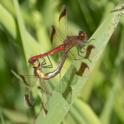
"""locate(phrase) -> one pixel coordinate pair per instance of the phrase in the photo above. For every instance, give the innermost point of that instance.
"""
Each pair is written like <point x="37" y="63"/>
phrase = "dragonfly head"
<point x="32" y="60"/>
<point x="36" y="64"/>
<point x="83" y="36"/>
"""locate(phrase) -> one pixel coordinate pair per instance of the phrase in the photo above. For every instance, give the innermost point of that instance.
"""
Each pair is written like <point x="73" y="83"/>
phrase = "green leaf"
<point x="9" y="25"/>
<point x="81" y="112"/>
<point x="57" y="103"/>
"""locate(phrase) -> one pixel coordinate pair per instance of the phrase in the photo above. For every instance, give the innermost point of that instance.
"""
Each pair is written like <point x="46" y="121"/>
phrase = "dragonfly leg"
<point x="22" y="78"/>
<point x="83" y="56"/>
<point x="43" y="62"/>
<point x="79" y="54"/>
<point x="29" y="99"/>
<point x="81" y="51"/>
<point x="74" y="58"/>
<point x="47" y="66"/>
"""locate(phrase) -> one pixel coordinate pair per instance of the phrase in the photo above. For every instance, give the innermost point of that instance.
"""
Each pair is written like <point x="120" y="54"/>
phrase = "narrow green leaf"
<point x="58" y="107"/>
<point x="25" y="37"/>
<point x="83" y="113"/>
<point x="9" y="25"/>
<point x="15" y="116"/>
<point x="107" y="110"/>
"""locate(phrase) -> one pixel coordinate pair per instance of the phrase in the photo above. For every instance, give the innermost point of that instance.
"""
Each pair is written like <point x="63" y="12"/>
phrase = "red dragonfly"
<point x="79" y="41"/>
<point x="38" y="66"/>
<point x="40" y="74"/>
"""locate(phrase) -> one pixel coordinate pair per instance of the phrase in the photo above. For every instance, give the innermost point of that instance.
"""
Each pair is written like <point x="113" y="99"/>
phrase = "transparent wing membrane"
<point x="36" y="93"/>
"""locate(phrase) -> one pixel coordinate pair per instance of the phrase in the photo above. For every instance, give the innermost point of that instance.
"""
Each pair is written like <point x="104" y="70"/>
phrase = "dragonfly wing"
<point x="43" y="87"/>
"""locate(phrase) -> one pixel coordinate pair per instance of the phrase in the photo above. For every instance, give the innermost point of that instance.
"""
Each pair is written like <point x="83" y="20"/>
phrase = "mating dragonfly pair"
<point x="79" y="41"/>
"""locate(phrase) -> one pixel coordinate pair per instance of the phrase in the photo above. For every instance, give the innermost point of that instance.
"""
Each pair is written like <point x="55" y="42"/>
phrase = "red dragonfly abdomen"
<point x="56" y="49"/>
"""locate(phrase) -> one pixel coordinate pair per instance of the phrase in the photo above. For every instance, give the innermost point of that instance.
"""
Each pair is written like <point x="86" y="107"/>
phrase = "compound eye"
<point x="83" y="35"/>
<point x="31" y="60"/>
<point x="80" y="33"/>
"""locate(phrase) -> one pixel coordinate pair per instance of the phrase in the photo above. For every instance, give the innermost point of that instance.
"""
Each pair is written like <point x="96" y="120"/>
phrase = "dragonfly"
<point x="41" y="86"/>
<point x="46" y="76"/>
<point x="79" y="41"/>
<point x="38" y="66"/>
<point x="70" y="41"/>
<point x="83" y="65"/>
<point x="38" y="73"/>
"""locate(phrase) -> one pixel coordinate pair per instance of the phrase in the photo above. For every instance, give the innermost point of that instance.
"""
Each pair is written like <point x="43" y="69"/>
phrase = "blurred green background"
<point x="103" y="93"/>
